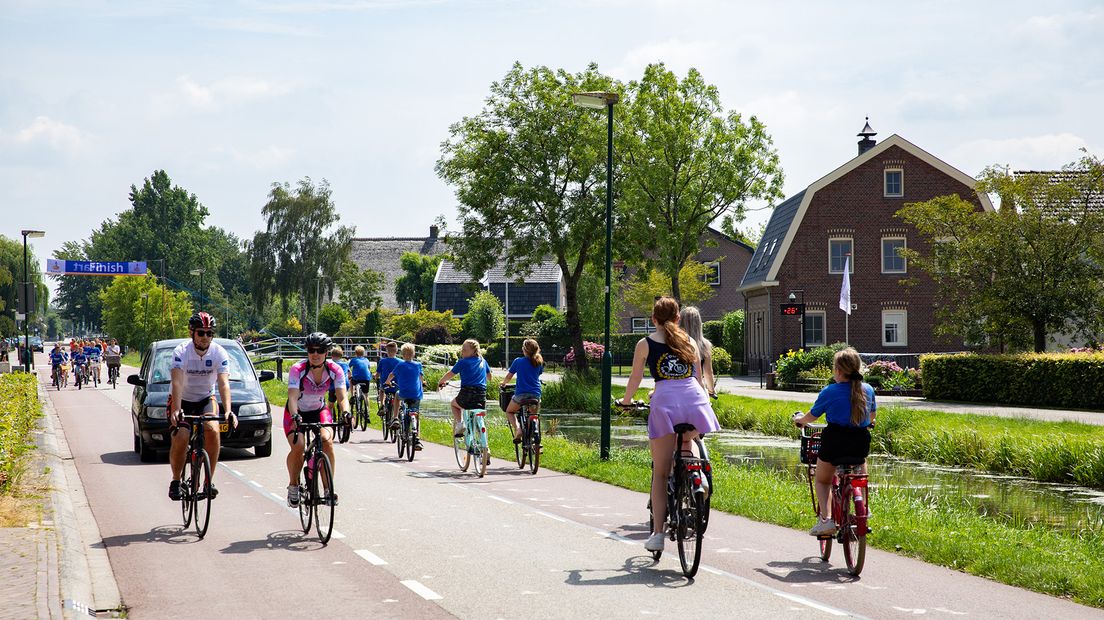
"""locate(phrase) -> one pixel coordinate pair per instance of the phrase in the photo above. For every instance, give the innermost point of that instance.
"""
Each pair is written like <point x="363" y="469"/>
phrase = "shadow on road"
<point x="128" y="457"/>
<point x="638" y="570"/>
<point x="290" y="540"/>
<point x="168" y="534"/>
<point x="810" y="570"/>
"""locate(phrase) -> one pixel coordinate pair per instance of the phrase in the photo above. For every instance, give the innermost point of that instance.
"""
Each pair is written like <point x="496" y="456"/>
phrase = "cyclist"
<point x="58" y="358"/>
<point x="198" y="365"/>
<point x="384" y="368"/>
<point x="79" y="361"/>
<point x="309" y="381"/>
<point x="360" y="373"/>
<point x="337" y="356"/>
<point x="674" y="361"/>
<point x="94" y="355"/>
<point x="691" y="322"/>
<point x="113" y="357"/>
<point x="851" y="410"/>
<point x="528" y="369"/>
<point x="474" y="374"/>
<point x="407" y="376"/>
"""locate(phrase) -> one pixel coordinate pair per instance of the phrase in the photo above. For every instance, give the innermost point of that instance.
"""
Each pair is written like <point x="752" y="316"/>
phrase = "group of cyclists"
<point x="84" y="358"/>
<point x="676" y="355"/>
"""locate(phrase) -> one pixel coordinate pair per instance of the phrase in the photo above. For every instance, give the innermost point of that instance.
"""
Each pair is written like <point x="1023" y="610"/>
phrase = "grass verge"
<point x="928" y="528"/>
<point x="19" y="409"/>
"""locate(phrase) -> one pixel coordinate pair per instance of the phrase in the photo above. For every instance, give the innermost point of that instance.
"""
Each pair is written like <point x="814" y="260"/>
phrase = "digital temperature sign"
<point x="792" y="309"/>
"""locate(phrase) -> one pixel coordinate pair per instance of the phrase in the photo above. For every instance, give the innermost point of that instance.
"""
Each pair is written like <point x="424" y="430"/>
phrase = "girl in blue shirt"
<point x="850" y="408"/>
<point x="474" y="374"/>
<point x="408" y="377"/>
<point x="528" y="370"/>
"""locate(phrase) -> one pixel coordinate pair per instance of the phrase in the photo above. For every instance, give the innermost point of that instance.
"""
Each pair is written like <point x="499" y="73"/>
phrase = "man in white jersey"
<point x="196" y="367"/>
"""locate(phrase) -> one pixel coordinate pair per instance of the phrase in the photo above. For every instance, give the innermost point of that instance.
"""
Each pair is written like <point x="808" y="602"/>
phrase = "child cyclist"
<point x="384" y="368"/>
<point x="528" y="369"/>
<point x="337" y="356"/>
<point x="850" y="408"/>
<point x="407" y="376"/>
<point x="360" y="373"/>
<point x="474" y="373"/>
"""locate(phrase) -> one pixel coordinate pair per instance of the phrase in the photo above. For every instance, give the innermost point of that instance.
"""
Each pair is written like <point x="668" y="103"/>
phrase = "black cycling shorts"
<point x="472" y="397"/>
<point x="197" y="407"/>
<point x="838" y="442"/>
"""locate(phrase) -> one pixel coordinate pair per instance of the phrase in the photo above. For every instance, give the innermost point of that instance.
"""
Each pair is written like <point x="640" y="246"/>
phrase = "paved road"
<point x="421" y="540"/>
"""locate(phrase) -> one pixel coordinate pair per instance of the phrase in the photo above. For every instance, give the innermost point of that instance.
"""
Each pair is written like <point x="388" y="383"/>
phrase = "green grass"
<point x="937" y="530"/>
<point x="19" y="408"/>
<point x="132" y="358"/>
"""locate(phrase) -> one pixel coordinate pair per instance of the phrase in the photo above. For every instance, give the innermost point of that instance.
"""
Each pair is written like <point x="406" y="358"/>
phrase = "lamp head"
<point x="793" y="298"/>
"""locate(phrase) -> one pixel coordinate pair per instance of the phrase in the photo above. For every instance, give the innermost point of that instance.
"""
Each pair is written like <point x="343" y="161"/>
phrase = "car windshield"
<point x="240" y="370"/>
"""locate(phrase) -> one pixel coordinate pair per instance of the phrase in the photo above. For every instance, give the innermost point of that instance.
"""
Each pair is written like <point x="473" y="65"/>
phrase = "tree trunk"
<point x="1039" y="327"/>
<point x="574" y="324"/>
<point x="676" y="290"/>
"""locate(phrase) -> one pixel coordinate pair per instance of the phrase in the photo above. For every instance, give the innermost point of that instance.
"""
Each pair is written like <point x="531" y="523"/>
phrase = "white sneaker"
<point x="457" y="429"/>
<point x="655" y="542"/>
<point x="293" y="496"/>
<point x="824" y="527"/>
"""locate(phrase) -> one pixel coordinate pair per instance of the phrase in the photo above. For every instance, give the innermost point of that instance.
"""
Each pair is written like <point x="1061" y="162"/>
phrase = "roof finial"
<point x="867" y="134"/>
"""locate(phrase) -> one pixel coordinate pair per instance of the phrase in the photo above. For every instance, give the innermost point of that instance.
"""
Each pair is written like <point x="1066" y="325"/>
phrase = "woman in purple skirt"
<point x="679" y="398"/>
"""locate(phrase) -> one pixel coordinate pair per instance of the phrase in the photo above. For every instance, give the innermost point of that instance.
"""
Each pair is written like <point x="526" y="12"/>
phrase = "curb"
<point x="86" y="579"/>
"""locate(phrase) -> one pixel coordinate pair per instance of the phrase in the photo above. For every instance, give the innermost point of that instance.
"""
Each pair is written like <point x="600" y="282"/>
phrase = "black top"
<point x="664" y="364"/>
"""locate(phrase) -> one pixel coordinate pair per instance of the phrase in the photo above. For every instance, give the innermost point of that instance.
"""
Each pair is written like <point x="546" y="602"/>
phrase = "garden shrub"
<point x="733" y="332"/>
<point x="714" y="332"/>
<point x="485" y="320"/>
<point x="404" y="326"/>
<point x="544" y="312"/>
<point x="433" y="334"/>
<point x="722" y="362"/>
<point x="19" y="407"/>
<point x="1074" y="380"/>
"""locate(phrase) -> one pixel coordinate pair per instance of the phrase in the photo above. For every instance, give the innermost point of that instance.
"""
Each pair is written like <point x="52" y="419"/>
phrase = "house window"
<point x="892" y="261"/>
<point x="894" y="328"/>
<point x="713" y="278"/>
<point x="894" y="183"/>
<point x="814" y="329"/>
<point x="641" y="325"/>
<point x="838" y="250"/>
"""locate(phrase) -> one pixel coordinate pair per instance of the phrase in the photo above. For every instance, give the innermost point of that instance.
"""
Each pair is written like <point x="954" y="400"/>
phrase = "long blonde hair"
<point x="692" y="323"/>
<point x="473" y="345"/>
<point x="531" y="349"/>
<point x="665" y="311"/>
<point x="848" y="363"/>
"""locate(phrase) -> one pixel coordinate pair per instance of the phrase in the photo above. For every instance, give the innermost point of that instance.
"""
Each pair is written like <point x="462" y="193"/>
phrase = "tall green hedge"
<point x="1073" y="380"/>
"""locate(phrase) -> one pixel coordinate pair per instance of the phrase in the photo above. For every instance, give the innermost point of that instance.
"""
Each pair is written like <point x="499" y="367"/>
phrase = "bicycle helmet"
<point x="319" y="339"/>
<point x="202" y="320"/>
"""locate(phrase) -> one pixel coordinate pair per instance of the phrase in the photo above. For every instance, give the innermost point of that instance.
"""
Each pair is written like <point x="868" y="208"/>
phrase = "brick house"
<point x="851" y="213"/>
<point x="725" y="279"/>
<point x="452" y="288"/>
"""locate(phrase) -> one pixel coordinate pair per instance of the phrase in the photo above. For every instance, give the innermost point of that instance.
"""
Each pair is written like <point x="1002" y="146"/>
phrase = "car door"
<point x="138" y="396"/>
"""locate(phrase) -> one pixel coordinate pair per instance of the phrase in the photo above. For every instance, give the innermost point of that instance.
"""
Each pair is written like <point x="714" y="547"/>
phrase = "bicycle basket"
<point x="810" y="448"/>
<point x="504" y="396"/>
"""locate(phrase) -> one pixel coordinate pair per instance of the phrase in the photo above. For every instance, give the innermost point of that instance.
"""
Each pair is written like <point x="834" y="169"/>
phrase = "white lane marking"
<point x="949" y="611"/>
<point x="256" y="484"/>
<point x="500" y="499"/>
<point x="337" y="534"/>
<point x="372" y="558"/>
<point x="421" y="590"/>
<point x="810" y="603"/>
<point x="234" y="471"/>
<point x="909" y="610"/>
<point x="338" y="562"/>
<point x="551" y="516"/>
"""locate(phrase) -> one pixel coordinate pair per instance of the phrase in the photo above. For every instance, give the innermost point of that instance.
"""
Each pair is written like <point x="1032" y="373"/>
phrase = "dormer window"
<point x="894" y="183"/>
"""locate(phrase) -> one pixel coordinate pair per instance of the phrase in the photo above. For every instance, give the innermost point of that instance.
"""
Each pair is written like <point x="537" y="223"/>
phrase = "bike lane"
<point x="254" y="561"/>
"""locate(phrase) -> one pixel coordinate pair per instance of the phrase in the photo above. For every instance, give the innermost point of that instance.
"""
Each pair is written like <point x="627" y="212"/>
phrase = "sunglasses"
<point x="203" y="333"/>
<point x="313" y="350"/>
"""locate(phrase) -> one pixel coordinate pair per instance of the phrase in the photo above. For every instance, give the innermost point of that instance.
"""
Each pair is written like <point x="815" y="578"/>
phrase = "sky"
<point x="231" y="96"/>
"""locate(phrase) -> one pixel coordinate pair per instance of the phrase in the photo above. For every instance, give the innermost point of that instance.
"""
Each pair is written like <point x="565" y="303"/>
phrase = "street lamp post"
<point x="199" y="271"/>
<point x="793" y="298"/>
<point x="27" y="354"/>
<point x="598" y="101"/>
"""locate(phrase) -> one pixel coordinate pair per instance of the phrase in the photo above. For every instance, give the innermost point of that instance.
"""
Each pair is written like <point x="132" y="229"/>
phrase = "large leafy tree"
<point x="11" y="274"/>
<point x="359" y="289"/>
<point x="1033" y="268"/>
<point x="302" y="246"/>
<point x="642" y="291"/>
<point x="687" y="163"/>
<point x="132" y="311"/>
<point x="529" y="172"/>
<point x="416" y="284"/>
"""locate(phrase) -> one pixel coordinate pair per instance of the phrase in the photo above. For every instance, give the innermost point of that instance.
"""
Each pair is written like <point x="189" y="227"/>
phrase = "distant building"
<point x="384" y="254"/>
<point x="452" y="288"/>
<point x="850" y="213"/>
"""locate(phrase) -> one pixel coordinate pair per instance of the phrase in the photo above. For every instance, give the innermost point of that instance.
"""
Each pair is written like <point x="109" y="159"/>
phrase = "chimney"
<point x="433" y="230"/>
<point x="867" y="134"/>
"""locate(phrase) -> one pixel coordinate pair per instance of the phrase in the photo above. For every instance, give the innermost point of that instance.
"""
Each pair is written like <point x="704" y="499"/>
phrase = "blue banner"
<point x="94" y="268"/>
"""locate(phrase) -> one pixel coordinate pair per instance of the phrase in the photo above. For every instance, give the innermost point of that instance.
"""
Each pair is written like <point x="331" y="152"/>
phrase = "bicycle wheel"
<point x="689" y="527"/>
<point x="519" y="450"/>
<point x="324" y="496"/>
<point x="460" y="450"/>
<point x="186" y="506"/>
<point x="533" y="445"/>
<point x="201" y="492"/>
<point x="825" y="548"/>
<point x="412" y="437"/>
<point x="852" y="537"/>
<point x="482" y="450"/>
<point x="384" y="414"/>
<point x="306" y="508"/>
<point x="401" y="433"/>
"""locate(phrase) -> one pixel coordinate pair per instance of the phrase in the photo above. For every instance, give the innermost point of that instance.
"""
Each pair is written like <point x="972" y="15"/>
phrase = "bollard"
<point x="280" y="368"/>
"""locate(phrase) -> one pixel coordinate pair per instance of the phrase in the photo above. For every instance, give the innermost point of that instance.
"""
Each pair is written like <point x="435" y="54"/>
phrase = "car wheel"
<point x="146" y="454"/>
<point x="137" y="443"/>
<point x="264" y="449"/>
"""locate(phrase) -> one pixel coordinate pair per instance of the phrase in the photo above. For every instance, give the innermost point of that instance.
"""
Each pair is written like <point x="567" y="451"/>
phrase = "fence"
<point x="276" y="349"/>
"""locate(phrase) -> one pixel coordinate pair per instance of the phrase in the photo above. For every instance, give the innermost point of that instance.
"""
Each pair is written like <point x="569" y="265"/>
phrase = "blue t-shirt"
<point x="360" y="369"/>
<point x="528" y="376"/>
<point x="408" y="377"/>
<point x="835" y="399"/>
<point x="78" y="357"/>
<point x="385" y="367"/>
<point x="472" y="370"/>
<point x="57" y="357"/>
<point x="345" y="367"/>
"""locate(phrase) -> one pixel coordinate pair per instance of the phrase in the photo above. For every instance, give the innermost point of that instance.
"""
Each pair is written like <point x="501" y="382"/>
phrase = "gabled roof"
<point x="730" y="239"/>
<point x="448" y="273"/>
<point x="767" y="274"/>
<point x="384" y="253"/>
<point x="1094" y="200"/>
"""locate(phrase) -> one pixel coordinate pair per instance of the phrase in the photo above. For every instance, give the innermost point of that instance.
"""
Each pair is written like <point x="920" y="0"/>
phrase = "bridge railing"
<point x="273" y="350"/>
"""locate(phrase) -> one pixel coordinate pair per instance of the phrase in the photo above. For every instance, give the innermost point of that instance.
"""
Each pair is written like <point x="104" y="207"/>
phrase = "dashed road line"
<point x="421" y="590"/>
<point x="500" y="499"/>
<point x="372" y="558"/>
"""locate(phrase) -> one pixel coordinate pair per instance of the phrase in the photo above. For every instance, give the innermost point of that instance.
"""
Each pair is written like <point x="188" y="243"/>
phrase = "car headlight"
<point x="155" y="413"/>
<point x="252" y="410"/>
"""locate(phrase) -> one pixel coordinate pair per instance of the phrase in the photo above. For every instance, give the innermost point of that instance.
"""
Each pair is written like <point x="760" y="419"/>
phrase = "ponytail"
<point x="847" y="361"/>
<point x="665" y="312"/>
<point x="531" y="349"/>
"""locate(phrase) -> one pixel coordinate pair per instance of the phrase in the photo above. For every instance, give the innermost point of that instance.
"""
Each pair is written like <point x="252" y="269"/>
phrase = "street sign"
<point x="94" y="268"/>
<point x="792" y="309"/>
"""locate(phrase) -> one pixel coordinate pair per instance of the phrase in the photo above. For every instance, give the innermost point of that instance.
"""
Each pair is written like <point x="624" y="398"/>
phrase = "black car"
<point x="151" y="394"/>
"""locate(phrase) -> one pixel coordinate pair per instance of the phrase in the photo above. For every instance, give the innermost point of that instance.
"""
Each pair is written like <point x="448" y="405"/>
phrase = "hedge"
<point x="19" y="407"/>
<point x="1070" y="380"/>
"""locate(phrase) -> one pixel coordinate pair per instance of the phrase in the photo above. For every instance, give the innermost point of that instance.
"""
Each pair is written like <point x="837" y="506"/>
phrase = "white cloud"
<point x="1062" y="29"/>
<point x="195" y="94"/>
<point x="677" y="54"/>
<point x="44" y="131"/>
<point x="227" y="91"/>
<point x="1043" y="152"/>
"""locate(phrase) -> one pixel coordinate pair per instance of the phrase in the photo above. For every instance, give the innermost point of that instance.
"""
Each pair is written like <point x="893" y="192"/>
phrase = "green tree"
<point x="592" y="299"/>
<point x="401" y="325"/>
<point x="416" y="284"/>
<point x="1033" y="268"/>
<point x="485" y="320"/>
<point x="359" y="289"/>
<point x="641" y="291"/>
<point x="687" y="163"/>
<point x="301" y="242"/>
<point x="529" y="172"/>
<point x="11" y="274"/>
<point x="330" y="318"/>
<point x="132" y="311"/>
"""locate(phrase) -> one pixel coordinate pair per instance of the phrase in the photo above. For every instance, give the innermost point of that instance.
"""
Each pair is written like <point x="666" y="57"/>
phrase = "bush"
<point x="439" y="353"/>
<point x="289" y="327"/>
<point x="485" y="319"/>
<point x="404" y="326"/>
<point x="1074" y="380"/>
<point x="722" y="362"/>
<point x="790" y="365"/>
<point x="19" y="407"/>
<point x="594" y="352"/>
<point x="331" y="317"/>
<point x="714" y="332"/>
<point x="733" y="334"/>
<point x="433" y="334"/>
<point x="544" y="312"/>
<point x="493" y="354"/>
<point x="552" y="332"/>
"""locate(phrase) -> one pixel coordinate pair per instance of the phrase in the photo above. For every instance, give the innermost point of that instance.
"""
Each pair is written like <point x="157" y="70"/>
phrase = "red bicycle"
<point x="849" y="501"/>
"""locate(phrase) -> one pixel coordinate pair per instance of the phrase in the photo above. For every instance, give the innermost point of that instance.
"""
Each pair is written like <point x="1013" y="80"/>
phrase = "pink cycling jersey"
<point x="312" y="396"/>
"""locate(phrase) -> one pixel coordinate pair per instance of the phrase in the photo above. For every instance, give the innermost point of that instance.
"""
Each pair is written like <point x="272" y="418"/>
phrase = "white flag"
<point x="845" y="289"/>
<point x="486" y="281"/>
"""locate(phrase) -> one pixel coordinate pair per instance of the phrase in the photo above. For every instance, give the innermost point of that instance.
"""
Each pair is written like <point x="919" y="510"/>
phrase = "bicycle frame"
<point x="475" y="423"/>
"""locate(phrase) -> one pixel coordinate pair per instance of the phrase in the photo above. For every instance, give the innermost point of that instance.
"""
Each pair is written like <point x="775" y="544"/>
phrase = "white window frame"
<point x="851" y="266"/>
<point x="715" y="267"/>
<point x="823" y="328"/>
<point x="904" y="245"/>
<point x="885" y="183"/>
<point x="645" y="325"/>
<point x="902" y="327"/>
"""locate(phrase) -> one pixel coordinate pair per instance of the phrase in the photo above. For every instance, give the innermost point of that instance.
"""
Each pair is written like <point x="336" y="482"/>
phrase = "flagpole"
<point x="845" y="298"/>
